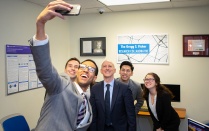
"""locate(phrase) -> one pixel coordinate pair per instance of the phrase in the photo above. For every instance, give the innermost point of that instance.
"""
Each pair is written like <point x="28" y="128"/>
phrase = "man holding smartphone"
<point x="66" y="106"/>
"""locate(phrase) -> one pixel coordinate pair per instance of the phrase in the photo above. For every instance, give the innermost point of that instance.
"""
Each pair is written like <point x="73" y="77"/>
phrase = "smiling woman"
<point x="158" y="99"/>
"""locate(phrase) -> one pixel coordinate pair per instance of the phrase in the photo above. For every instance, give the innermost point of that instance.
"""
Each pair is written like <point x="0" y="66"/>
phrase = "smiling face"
<point x="108" y="69"/>
<point x="149" y="82"/>
<point x="72" y="68"/>
<point x="84" y="76"/>
<point x="125" y="73"/>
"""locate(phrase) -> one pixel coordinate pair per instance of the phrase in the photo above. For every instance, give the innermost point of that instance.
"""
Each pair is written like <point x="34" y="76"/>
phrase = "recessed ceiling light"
<point x="129" y="2"/>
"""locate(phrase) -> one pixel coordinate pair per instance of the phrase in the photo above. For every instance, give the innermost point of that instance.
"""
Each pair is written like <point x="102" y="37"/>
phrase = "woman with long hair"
<point x="158" y="99"/>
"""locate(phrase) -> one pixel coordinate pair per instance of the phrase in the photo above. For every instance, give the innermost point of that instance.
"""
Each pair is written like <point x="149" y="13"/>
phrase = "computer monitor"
<point x="175" y="89"/>
<point x="196" y="126"/>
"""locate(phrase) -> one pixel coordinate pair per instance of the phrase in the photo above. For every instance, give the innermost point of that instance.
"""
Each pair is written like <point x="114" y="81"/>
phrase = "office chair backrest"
<point x="15" y="123"/>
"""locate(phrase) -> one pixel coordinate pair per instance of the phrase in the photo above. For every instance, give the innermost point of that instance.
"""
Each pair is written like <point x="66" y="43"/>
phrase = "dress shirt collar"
<point x="111" y="83"/>
<point x="79" y="88"/>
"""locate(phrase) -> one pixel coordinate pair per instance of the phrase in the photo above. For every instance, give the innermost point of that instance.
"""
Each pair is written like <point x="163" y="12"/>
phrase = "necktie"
<point x="82" y="110"/>
<point x="107" y="105"/>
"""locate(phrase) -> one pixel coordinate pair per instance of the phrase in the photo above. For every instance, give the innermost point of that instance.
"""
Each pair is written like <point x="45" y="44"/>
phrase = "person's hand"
<point x="49" y="13"/>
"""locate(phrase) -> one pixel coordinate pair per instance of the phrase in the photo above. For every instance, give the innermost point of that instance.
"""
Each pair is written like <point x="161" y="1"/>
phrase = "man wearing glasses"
<point x="66" y="106"/>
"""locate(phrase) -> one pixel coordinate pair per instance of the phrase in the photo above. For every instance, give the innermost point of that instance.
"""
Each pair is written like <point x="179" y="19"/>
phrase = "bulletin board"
<point x="20" y="69"/>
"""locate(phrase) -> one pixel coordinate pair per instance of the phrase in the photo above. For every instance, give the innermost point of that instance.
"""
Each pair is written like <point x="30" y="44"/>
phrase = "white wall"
<point x="17" y="25"/>
<point x="191" y="73"/>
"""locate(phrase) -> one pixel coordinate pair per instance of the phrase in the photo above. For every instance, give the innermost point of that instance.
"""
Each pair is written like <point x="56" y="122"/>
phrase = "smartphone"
<point x="74" y="11"/>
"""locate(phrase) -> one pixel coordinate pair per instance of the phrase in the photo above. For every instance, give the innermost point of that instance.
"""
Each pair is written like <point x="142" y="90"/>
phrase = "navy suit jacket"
<point x="122" y="108"/>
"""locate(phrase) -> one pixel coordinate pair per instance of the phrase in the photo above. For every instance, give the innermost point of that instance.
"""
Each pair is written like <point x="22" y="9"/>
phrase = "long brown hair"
<point x="161" y="89"/>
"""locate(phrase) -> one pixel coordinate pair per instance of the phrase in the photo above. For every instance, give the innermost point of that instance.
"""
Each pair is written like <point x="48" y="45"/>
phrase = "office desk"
<point x="181" y="112"/>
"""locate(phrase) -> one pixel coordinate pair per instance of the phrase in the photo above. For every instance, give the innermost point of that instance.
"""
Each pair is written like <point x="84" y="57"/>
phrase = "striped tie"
<point x="82" y="110"/>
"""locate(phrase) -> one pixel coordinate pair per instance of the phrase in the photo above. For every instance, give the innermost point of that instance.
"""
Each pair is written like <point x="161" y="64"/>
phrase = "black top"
<point x="168" y="118"/>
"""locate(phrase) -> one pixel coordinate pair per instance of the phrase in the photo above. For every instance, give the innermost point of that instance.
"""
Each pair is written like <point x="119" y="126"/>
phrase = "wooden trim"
<point x="181" y="112"/>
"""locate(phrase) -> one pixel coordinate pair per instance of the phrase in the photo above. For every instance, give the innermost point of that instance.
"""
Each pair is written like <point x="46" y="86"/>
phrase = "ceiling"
<point x="93" y="6"/>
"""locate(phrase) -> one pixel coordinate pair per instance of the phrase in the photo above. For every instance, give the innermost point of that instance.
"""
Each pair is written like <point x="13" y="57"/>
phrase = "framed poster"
<point x="143" y="48"/>
<point x="95" y="46"/>
<point x="195" y="45"/>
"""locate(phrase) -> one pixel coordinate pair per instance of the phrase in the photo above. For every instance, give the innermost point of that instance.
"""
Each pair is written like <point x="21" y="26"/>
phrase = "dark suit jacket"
<point x="136" y="93"/>
<point x="122" y="108"/>
<point x="167" y="116"/>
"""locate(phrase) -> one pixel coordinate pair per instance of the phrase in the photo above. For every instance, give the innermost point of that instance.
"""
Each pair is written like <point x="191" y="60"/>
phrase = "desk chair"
<point x="14" y="122"/>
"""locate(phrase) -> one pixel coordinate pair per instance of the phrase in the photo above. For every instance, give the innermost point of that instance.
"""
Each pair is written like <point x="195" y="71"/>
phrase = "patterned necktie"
<point x="107" y="105"/>
<point x="82" y="110"/>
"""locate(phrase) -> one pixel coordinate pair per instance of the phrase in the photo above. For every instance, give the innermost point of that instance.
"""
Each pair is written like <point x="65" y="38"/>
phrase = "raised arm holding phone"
<point x="49" y="13"/>
<point x="66" y="106"/>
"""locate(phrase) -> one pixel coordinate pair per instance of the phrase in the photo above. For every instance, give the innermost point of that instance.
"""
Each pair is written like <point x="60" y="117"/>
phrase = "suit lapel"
<point x="101" y="93"/>
<point x="114" y="94"/>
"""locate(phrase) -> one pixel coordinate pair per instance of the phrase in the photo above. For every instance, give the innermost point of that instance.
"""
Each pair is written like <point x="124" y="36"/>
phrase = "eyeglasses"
<point x="149" y="80"/>
<point x="83" y="67"/>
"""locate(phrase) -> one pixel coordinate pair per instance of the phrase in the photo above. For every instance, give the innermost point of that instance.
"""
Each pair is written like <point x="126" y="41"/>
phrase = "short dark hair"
<point x="71" y="59"/>
<point x="96" y="69"/>
<point x="128" y="63"/>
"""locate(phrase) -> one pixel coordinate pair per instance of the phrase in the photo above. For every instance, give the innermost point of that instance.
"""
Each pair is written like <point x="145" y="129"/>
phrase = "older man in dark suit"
<point x="112" y="103"/>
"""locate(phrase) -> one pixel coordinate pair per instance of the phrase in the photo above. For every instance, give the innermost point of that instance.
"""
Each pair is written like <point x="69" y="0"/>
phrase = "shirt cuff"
<point x="40" y="42"/>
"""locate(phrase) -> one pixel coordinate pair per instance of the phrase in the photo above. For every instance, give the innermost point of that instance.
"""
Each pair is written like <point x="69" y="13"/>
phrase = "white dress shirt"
<point x="87" y="115"/>
<point x="153" y="106"/>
